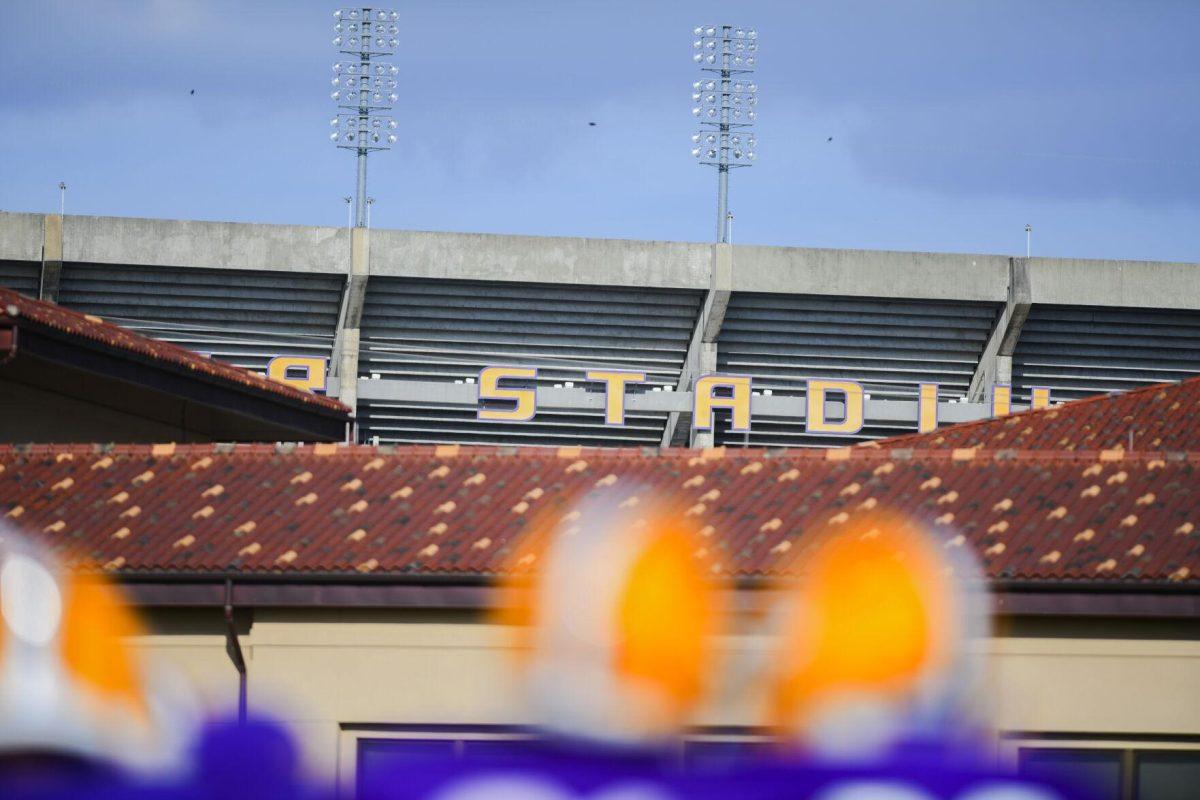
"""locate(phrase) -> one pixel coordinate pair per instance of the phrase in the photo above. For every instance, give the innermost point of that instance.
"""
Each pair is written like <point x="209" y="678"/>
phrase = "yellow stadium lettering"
<point x="711" y="392"/>
<point x="927" y="415"/>
<point x="524" y="399"/>
<point x="614" y="392"/>
<point x="851" y="422"/>
<point x="1001" y="400"/>
<point x="704" y="400"/>
<point x="303" y="372"/>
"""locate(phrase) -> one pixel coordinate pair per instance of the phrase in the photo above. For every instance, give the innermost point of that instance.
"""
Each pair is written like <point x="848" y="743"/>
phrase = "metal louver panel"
<point x="23" y="276"/>
<point x="413" y="424"/>
<point x="414" y="329"/>
<point x="789" y="432"/>
<point x="244" y="318"/>
<point x="888" y="346"/>
<point x="1081" y="351"/>
<point x="442" y="330"/>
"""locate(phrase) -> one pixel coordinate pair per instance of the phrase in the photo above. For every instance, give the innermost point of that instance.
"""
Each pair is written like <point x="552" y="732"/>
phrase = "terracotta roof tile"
<point x="1022" y="512"/>
<point x="24" y="310"/>
<point x="1086" y="514"/>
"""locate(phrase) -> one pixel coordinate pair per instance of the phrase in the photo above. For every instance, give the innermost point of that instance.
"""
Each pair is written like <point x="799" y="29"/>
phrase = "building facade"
<point x="354" y="580"/>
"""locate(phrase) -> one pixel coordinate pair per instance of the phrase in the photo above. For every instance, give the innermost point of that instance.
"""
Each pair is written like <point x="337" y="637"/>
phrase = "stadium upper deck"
<point x="415" y="316"/>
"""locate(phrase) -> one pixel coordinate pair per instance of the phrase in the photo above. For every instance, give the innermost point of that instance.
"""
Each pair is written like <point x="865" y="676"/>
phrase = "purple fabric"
<point x="258" y="761"/>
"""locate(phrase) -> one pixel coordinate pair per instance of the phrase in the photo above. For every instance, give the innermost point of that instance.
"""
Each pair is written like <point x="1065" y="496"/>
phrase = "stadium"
<point x="273" y="570"/>
<point x="415" y="317"/>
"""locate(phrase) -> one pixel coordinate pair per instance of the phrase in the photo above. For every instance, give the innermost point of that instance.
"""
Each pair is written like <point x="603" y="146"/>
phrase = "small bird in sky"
<point x="592" y="124"/>
<point x="830" y="139"/>
<point x="193" y="91"/>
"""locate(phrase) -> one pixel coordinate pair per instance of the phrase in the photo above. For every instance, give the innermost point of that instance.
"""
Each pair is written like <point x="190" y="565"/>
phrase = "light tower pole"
<point x="724" y="102"/>
<point x="363" y="88"/>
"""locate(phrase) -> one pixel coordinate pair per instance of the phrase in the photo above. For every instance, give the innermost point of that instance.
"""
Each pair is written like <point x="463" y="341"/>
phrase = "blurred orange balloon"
<point x="616" y="622"/>
<point x="872" y="617"/>
<point x="72" y="678"/>
<point x="96" y="627"/>
<point x="666" y="614"/>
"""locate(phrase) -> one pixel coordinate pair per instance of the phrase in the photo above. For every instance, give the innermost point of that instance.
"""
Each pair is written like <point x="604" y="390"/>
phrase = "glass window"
<point x="1097" y="772"/>
<point x="1168" y="774"/>
<point x="377" y="757"/>
<point x="385" y="752"/>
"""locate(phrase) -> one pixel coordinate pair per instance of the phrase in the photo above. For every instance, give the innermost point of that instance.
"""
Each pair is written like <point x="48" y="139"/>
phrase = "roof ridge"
<point x="881" y="452"/>
<point x="1068" y="405"/>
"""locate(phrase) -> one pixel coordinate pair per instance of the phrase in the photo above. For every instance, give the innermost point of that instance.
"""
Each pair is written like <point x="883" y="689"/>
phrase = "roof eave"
<point x="478" y="592"/>
<point x="310" y="420"/>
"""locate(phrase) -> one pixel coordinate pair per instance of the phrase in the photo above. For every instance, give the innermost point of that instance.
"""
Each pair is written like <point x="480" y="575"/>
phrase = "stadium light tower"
<point x="364" y="88"/>
<point x="724" y="100"/>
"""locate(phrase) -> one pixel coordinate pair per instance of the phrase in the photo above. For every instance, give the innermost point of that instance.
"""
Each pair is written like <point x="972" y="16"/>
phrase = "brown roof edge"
<point x="475" y="592"/>
<point x="85" y="329"/>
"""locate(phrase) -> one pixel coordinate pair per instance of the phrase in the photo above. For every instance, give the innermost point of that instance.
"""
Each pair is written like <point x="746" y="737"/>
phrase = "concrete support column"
<point x="995" y="363"/>
<point x="347" y="367"/>
<point x="344" y="363"/>
<point x="719" y="291"/>
<point x="702" y="349"/>
<point x="706" y="362"/>
<point x="52" y="257"/>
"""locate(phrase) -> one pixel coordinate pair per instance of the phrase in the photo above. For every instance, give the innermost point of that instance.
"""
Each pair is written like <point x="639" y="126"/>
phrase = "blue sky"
<point x="953" y="123"/>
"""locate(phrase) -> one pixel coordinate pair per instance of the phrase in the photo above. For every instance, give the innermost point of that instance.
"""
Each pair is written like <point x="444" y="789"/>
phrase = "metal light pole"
<point x="363" y="88"/>
<point x="725" y="105"/>
<point x="349" y="233"/>
<point x="1028" y="240"/>
<point x="370" y="202"/>
<point x="62" y="199"/>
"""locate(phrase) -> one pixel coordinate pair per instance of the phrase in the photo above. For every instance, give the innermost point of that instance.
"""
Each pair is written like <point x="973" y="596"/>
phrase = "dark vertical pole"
<point x="242" y="697"/>
<point x="234" y="648"/>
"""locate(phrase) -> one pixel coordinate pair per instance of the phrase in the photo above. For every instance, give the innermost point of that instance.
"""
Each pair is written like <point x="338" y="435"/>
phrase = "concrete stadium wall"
<point x="1125" y="284"/>
<point x="21" y="236"/>
<point x="614" y="262"/>
<point x="870" y="273"/>
<point x="540" y="259"/>
<point x="326" y="672"/>
<point x="215" y="245"/>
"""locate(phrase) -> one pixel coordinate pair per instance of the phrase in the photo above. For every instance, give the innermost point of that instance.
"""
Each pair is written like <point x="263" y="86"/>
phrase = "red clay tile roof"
<point x="1085" y="515"/>
<point x="24" y="310"/>
<point x="1161" y="417"/>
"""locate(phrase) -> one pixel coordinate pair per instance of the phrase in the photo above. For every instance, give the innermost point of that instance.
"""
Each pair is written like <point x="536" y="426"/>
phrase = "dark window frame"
<point x="1129" y="758"/>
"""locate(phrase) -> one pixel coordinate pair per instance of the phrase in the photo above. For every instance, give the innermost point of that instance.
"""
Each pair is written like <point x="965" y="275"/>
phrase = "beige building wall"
<point x="327" y="672"/>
